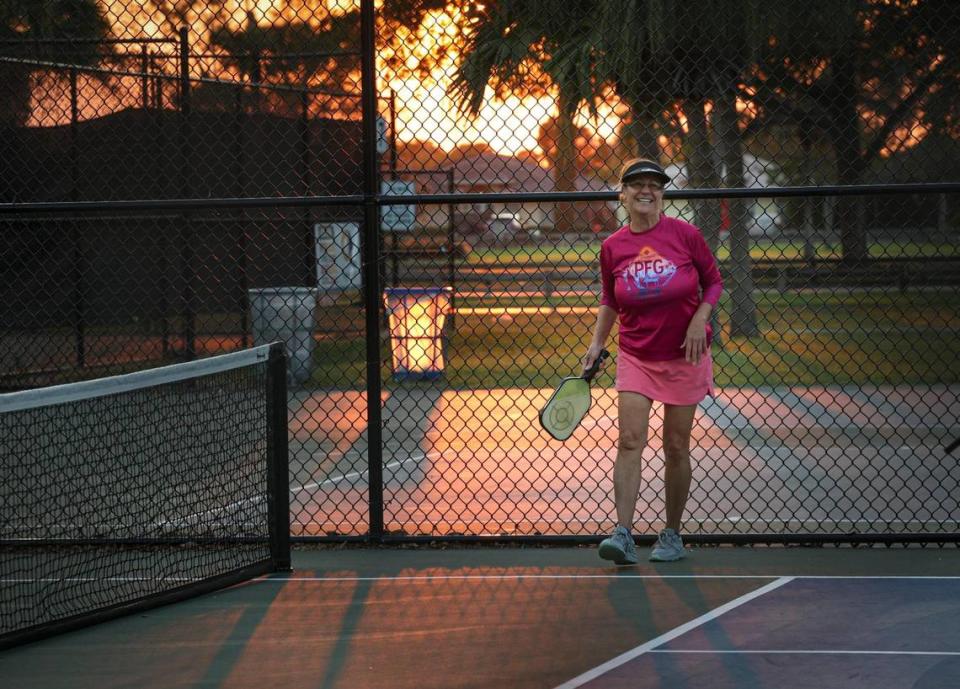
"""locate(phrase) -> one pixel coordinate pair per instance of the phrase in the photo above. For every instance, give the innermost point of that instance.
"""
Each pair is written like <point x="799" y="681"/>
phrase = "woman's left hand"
<point x="695" y="343"/>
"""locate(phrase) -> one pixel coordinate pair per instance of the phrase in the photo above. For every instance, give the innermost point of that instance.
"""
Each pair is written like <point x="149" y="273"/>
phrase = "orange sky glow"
<point x="424" y="109"/>
<point x="427" y="112"/>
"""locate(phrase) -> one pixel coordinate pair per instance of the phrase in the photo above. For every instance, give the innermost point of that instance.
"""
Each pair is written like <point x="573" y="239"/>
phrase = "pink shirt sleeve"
<point x="706" y="264"/>
<point x="607" y="280"/>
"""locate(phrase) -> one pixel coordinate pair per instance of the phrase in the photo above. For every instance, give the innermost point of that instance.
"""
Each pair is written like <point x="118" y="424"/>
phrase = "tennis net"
<point x="142" y="489"/>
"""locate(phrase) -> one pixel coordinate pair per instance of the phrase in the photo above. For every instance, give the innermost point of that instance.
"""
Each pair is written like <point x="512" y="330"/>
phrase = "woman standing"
<point x="661" y="282"/>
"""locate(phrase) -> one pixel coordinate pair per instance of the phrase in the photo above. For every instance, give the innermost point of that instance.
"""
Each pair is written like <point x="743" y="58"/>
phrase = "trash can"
<point x="416" y="316"/>
<point x="286" y="314"/>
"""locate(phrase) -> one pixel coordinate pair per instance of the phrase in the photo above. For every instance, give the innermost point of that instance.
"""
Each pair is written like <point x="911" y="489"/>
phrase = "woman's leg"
<point x="677" y="425"/>
<point x="634" y="415"/>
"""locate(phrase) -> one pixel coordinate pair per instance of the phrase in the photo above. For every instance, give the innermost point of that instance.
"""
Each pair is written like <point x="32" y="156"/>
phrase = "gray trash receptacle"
<point x="286" y="314"/>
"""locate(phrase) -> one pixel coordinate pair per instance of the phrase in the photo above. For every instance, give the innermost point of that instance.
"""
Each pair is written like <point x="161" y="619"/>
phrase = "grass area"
<point x="806" y="338"/>
<point x="794" y="249"/>
<point x="579" y="252"/>
<point x="851" y="337"/>
<point x="784" y="249"/>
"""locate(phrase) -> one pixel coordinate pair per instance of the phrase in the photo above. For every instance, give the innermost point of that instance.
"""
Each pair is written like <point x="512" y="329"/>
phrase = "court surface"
<point x="430" y="618"/>
<point x="800" y="459"/>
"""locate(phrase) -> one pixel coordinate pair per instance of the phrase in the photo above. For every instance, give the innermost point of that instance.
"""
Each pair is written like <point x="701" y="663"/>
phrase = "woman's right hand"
<point x="592" y="353"/>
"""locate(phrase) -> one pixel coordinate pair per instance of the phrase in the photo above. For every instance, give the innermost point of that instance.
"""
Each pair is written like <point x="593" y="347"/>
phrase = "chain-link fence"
<point x="414" y="199"/>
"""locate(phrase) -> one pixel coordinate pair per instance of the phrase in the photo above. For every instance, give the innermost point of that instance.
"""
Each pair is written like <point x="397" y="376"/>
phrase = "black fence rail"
<point x="432" y="265"/>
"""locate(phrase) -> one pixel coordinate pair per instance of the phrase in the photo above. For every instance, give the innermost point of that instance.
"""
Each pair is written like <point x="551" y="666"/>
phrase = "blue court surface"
<point x="435" y="618"/>
<point x="806" y="632"/>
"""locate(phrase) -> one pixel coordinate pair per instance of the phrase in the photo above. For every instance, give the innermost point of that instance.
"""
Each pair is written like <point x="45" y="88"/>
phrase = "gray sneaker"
<point x="669" y="547"/>
<point x="619" y="547"/>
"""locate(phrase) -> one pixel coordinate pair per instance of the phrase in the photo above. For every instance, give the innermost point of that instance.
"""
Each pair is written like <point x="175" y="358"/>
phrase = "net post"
<point x="278" y="473"/>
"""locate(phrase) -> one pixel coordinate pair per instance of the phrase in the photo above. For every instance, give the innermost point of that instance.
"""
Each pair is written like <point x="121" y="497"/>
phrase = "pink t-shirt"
<point x="655" y="280"/>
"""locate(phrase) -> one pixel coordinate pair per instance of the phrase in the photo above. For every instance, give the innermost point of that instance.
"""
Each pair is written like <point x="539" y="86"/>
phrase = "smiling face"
<point x="642" y="196"/>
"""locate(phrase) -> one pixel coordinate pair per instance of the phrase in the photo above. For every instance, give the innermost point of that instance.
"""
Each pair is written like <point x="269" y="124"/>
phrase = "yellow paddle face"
<point x="566" y="408"/>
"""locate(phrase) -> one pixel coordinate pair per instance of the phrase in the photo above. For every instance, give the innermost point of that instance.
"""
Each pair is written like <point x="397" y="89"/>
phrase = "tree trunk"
<point x="830" y="218"/>
<point x="565" y="168"/>
<point x="807" y="202"/>
<point x="743" y="309"/>
<point x="702" y="171"/>
<point x="642" y="131"/>
<point x="942" y="216"/>
<point x="845" y="136"/>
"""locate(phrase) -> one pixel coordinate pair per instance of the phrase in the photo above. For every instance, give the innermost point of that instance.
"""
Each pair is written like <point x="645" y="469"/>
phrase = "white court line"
<point x="317" y="484"/>
<point x="429" y="578"/>
<point x="869" y="577"/>
<point x="720" y="519"/>
<point x="293" y="491"/>
<point x="623" y="658"/>
<point x="779" y="651"/>
<point x="281" y="578"/>
<point x="420" y="456"/>
<point x="517" y="577"/>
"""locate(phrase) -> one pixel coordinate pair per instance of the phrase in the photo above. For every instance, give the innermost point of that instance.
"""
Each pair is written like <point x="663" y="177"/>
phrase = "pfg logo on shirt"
<point x="648" y="273"/>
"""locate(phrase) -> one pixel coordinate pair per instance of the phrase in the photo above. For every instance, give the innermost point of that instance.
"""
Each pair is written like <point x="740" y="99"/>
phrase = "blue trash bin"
<point x="416" y="316"/>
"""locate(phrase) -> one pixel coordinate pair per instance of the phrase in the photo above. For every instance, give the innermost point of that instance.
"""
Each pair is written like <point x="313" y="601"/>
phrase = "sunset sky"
<point x="423" y="108"/>
<point x="508" y="127"/>
<point x="427" y="112"/>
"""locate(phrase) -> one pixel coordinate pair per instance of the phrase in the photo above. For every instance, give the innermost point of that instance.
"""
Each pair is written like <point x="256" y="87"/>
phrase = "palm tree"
<point x="39" y="31"/>
<point x="652" y="55"/>
<point x="693" y="55"/>
<point x="517" y="46"/>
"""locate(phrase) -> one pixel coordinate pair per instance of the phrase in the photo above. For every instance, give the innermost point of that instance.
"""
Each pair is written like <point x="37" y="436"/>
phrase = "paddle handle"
<point x="595" y="366"/>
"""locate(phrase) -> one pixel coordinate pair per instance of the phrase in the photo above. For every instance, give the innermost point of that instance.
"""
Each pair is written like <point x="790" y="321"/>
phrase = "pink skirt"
<point x="671" y="382"/>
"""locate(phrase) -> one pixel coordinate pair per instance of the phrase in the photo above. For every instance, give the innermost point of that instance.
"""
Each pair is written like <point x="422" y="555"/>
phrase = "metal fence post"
<point x="145" y="77"/>
<point x="240" y="179"/>
<point x="310" y="250"/>
<point x="79" y="316"/>
<point x="451" y="244"/>
<point x="371" y="267"/>
<point x="186" y="232"/>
